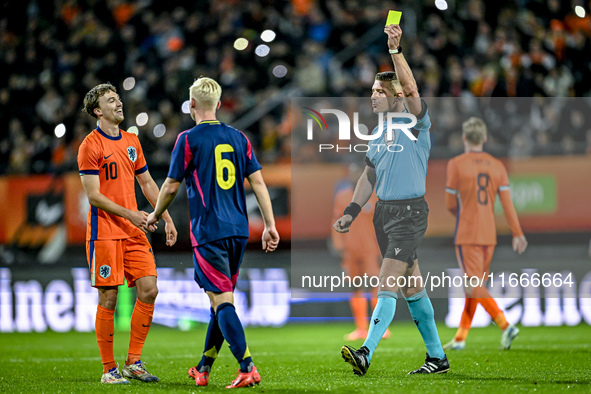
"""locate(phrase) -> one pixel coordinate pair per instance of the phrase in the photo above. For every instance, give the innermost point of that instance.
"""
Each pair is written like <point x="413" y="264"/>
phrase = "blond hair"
<point x="206" y="92"/>
<point x="474" y="129"/>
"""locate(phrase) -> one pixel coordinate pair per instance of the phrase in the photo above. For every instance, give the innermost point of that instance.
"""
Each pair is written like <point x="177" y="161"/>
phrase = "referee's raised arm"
<point x="410" y="91"/>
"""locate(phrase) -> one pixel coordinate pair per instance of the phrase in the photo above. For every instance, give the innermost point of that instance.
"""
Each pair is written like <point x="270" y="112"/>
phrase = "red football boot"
<point x="201" y="378"/>
<point x="246" y="379"/>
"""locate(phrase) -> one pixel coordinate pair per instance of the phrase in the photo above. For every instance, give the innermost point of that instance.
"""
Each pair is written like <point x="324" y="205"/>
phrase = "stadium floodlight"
<point x="159" y="130"/>
<point x="441" y="5"/>
<point x="60" y="130"/>
<point x="240" y="44"/>
<point x="185" y="107"/>
<point x="133" y="130"/>
<point x="262" y="50"/>
<point x="141" y="119"/>
<point x="280" y="71"/>
<point x="268" y="35"/>
<point x="580" y="11"/>
<point x="129" y="83"/>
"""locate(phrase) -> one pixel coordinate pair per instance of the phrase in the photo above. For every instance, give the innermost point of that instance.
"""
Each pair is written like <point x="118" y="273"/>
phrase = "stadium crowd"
<point x="518" y="48"/>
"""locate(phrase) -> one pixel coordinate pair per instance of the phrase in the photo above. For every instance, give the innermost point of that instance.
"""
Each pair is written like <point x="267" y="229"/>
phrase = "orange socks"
<point x="105" y="327"/>
<point x="467" y="316"/>
<point x="501" y="321"/>
<point x="141" y="319"/>
<point x="359" y="309"/>
<point x="492" y="308"/>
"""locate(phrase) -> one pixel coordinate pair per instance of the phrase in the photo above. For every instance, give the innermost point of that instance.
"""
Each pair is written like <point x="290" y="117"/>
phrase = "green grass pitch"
<point x="306" y="358"/>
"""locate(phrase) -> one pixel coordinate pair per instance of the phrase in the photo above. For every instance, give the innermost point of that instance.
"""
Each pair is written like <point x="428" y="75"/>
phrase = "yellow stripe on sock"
<point x="211" y="353"/>
<point x="246" y="353"/>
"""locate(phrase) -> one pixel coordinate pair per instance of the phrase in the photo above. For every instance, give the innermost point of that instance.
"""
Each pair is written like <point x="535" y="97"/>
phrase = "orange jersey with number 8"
<point x="473" y="180"/>
<point x="116" y="161"/>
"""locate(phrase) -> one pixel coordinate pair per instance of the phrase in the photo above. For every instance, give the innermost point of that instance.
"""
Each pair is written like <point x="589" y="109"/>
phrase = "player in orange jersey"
<point x="358" y="250"/>
<point x="473" y="180"/>
<point x="109" y="161"/>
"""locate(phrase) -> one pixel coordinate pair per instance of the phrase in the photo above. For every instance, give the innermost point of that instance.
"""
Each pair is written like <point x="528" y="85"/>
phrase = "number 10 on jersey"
<point x="221" y="164"/>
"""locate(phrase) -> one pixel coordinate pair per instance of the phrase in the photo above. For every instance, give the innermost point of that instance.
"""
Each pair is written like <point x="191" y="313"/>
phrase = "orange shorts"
<point x="111" y="261"/>
<point x="474" y="260"/>
<point x="358" y="265"/>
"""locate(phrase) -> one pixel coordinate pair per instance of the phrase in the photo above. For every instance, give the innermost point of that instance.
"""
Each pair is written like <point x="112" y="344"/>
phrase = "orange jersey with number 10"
<point x="116" y="161"/>
<point x="474" y="179"/>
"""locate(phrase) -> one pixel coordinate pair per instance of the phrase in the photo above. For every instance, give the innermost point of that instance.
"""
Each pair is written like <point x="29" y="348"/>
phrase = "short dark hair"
<point x="92" y="97"/>
<point x="388" y="76"/>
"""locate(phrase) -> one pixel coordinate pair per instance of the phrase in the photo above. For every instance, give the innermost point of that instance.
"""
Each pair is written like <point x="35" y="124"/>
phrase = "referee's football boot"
<point x="357" y="359"/>
<point x="433" y="365"/>
<point x="509" y="334"/>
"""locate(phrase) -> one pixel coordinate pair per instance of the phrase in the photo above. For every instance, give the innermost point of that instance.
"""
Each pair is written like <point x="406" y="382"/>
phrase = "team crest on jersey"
<point x="105" y="271"/>
<point x="131" y="152"/>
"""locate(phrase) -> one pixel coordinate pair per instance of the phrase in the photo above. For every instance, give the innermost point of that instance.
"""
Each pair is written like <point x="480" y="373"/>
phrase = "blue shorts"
<point x="217" y="263"/>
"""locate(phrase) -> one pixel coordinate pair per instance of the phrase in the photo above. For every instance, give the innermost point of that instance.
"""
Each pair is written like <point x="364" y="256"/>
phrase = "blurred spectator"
<point x="40" y="151"/>
<point x="52" y="51"/>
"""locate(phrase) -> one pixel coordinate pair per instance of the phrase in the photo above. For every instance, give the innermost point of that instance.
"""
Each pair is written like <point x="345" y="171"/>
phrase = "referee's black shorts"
<point x="400" y="226"/>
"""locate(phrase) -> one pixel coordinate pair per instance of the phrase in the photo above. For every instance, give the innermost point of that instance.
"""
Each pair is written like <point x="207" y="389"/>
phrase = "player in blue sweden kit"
<point x="400" y="219"/>
<point x="213" y="159"/>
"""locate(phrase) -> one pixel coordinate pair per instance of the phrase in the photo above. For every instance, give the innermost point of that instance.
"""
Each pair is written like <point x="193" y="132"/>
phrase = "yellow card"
<point x="393" y="18"/>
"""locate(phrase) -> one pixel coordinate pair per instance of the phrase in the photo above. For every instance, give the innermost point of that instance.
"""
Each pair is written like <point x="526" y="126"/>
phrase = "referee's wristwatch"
<point x="395" y="51"/>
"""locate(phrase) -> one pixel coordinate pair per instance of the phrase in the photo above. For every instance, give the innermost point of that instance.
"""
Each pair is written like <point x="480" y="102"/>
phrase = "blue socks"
<point x="233" y="332"/>
<point x="381" y="318"/>
<point x="213" y="342"/>
<point x="422" y="313"/>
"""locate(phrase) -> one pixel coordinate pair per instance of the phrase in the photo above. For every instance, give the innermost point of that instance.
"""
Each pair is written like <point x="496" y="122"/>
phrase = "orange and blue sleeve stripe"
<point x="141" y="170"/>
